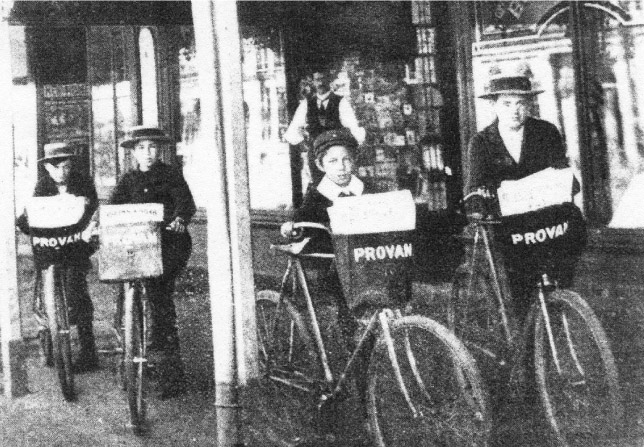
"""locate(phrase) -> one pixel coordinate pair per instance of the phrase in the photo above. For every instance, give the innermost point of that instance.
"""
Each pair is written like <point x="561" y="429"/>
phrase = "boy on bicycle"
<point x="334" y="152"/>
<point x="155" y="182"/>
<point x="62" y="178"/>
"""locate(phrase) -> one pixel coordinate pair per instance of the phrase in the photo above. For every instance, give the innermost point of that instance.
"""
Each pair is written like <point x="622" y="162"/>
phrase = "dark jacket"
<point x="166" y="185"/>
<point x="161" y="184"/>
<point x="490" y="162"/>
<point x="78" y="253"/>
<point x="322" y="119"/>
<point x="314" y="209"/>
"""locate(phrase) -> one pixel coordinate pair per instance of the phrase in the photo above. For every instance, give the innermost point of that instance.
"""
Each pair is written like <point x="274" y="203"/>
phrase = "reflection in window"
<point x="148" y="78"/>
<point x="266" y="120"/>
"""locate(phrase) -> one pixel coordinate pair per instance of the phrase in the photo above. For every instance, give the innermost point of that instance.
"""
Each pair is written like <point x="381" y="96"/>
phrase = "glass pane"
<point x="148" y="78"/>
<point x="25" y="127"/>
<point x="620" y="108"/>
<point x="269" y="163"/>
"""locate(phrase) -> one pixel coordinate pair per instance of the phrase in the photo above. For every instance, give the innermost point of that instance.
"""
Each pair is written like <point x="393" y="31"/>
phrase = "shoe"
<point x="86" y="364"/>
<point x="171" y="377"/>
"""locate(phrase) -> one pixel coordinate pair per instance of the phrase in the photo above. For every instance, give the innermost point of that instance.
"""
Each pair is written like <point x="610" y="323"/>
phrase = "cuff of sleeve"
<point x="359" y="133"/>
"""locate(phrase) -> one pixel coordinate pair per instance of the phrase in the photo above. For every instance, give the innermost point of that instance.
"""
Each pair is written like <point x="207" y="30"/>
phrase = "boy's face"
<point x="337" y="164"/>
<point x="512" y="110"/>
<point x="145" y="153"/>
<point x="59" y="170"/>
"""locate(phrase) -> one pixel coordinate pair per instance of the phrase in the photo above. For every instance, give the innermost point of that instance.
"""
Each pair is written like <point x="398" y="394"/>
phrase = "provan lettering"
<point x="541" y="235"/>
<point x="382" y="252"/>
<point x="53" y="242"/>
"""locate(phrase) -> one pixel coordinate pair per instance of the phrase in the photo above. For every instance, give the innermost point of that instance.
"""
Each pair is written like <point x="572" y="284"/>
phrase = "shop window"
<point x="605" y="148"/>
<point x="148" y="67"/>
<point x="110" y="84"/>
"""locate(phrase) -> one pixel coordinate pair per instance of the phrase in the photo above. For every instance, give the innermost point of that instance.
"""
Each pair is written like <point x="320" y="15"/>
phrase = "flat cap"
<point x="337" y="137"/>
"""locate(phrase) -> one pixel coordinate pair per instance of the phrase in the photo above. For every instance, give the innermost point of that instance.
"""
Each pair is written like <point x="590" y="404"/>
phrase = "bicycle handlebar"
<point x="311" y="225"/>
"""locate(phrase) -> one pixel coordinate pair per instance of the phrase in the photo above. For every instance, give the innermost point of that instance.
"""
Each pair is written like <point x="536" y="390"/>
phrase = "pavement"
<point x="271" y="416"/>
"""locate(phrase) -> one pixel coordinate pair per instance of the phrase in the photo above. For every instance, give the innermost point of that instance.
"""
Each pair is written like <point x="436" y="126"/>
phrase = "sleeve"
<point x="121" y="193"/>
<point x="184" y="204"/>
<point x="89" y="191"/>
<point x="476" y="166"/>
<point x="348" y="119"/>
<point x="294" y="132"/>
<point x="312" y="209"/>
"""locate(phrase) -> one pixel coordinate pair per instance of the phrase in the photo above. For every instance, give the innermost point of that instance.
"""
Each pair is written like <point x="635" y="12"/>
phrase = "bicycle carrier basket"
<point x="130" y="241"/>
<point x="373" y="239"/>
<point x="55" y="230"/>
<point x="544" y="238"/>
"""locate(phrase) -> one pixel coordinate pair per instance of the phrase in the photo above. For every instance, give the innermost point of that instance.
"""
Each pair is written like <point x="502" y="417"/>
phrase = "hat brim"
<point x="511" y="92"/>
<point x="131" y="142"/>
<point x="57" y="157"/>
<point x="352" y="146"/>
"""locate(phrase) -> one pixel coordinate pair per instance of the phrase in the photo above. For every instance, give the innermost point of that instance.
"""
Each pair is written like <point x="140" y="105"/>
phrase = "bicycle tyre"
<point x="581" y="403"/>
<point x="134" y="354"/>
<point x="286" y="350"/>
<point x="58" y="321"/>
<point x="448" y="393"/>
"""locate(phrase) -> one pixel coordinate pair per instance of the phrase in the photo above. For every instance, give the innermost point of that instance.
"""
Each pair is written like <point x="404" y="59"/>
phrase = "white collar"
<point x="331" y="190"/>
<point x="324" y="97"/>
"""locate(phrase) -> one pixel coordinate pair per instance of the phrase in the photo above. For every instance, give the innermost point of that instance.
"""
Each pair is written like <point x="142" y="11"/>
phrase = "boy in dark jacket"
<point x="155" y="182"/>
<point x="61" y="178"/>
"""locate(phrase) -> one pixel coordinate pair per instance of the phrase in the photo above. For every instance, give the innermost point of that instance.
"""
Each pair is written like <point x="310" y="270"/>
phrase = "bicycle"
<point x="130" y="253"/>
<point x="423" y="387"/>
<point x="575" y="372"/>
<point x="57" y="242"/>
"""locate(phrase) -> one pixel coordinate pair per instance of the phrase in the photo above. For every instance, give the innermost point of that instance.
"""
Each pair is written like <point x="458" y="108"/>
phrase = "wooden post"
<point x="229" y="252"/>
<point x="14" y="371"/>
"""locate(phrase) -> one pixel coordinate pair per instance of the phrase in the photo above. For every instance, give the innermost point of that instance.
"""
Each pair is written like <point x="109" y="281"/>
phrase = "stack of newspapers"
<point x="540" y="190"/>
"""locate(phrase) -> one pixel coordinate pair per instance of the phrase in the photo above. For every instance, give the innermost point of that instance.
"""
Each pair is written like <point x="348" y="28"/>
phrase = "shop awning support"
<point x="229" y="251"/>
<point x="14" y="372"/>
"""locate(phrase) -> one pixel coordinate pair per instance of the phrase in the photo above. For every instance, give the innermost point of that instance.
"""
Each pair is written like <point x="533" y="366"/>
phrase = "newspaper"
<point x="373" y="213"/>
<point x="544" y="188"/>
<point x="58" y="211"/>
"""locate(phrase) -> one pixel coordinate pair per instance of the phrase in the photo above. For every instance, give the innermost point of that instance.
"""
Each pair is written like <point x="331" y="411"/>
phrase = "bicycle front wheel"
<point x="135" y="357"/>
<point x="58" y="321"/>
<point x="576" y="374"/>
<point x="437" y="399"/>
<point x="286" y="350"/>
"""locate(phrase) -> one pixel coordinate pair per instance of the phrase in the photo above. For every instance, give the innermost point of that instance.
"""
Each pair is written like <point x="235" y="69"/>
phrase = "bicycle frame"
<point x="378" y="323"/>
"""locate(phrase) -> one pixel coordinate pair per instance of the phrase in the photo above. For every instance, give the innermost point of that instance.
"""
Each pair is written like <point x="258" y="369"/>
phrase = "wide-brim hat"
<point x="509" y="85"/>
<point x="338" y="137"/>
<point x="139" y="133"/>
<point x="57" y="151"/>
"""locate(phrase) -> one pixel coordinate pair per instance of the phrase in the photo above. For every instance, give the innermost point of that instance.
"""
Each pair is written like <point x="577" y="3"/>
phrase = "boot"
<point x="171" y="373"/>
<point x="87" y="359"/>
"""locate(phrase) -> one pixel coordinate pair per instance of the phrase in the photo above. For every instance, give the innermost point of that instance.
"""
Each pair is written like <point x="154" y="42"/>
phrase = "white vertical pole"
<point x="229" y="254"/>
<point x="13" y="353"/>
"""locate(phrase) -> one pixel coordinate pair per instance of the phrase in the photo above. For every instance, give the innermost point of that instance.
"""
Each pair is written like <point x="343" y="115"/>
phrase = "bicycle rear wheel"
<point x="286" y="350"/>
<point x="58" y="321"/>
<point x="582" y="399"/>
<point x="450" y="404"/>
<point x="135" y="357"/>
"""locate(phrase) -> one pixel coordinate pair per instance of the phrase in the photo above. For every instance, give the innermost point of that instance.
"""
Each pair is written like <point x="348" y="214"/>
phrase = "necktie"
<point x="346" y="194"/>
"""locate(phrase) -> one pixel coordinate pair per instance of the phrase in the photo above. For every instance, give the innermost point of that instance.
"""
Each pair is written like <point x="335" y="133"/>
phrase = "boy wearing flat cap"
<point x="155" y="182"/>
<point x="62" y="178"/>
<point x="334" y="156"/>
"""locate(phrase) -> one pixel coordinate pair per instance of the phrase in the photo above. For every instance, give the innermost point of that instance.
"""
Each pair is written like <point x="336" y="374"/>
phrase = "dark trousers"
<point x="176" y="249"/>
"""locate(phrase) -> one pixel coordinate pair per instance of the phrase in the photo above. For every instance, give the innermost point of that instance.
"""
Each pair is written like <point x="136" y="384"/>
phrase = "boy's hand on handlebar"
<point x="178" y="225"/>
<point x="288" y="230"/>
